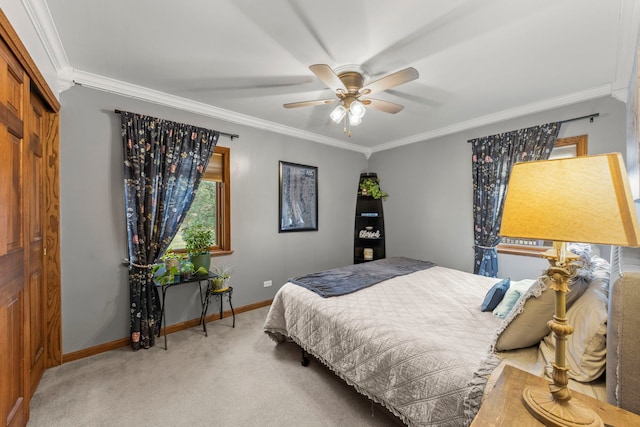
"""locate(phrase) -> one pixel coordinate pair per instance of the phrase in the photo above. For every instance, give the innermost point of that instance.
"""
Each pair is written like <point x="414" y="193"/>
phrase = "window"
<point x="562" y="149"/>
<point x="212" y="204"/>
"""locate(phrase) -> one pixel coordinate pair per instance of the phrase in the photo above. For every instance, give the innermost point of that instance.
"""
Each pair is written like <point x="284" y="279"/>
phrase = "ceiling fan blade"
<point x="309" y="103"/>
<point x="392" y="80"/>
<point x="328" y="77"/>
<point x="385" y="106"/>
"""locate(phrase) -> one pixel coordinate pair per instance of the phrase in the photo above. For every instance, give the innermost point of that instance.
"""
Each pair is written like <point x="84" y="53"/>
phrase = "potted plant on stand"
<point x="223" y="273"/>
<point x="198" y="239"/>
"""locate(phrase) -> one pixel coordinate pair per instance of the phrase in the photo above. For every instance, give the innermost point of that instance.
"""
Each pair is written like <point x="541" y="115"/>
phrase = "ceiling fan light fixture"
<point x="354" y="120"/>
<point x="348" y="84"/>
<point x="357" y="109"/>
<point x="338" y="114"/>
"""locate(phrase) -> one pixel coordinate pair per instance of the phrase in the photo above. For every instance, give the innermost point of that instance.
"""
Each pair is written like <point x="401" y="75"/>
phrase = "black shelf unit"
<point x="369" y="225"/>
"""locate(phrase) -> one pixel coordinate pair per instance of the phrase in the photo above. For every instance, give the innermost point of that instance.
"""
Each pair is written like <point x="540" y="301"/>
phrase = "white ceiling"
<point x="480" y="61"/>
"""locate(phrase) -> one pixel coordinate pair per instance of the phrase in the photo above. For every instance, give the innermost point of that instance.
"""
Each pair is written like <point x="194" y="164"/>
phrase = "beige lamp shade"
<point x="581" y="199"/>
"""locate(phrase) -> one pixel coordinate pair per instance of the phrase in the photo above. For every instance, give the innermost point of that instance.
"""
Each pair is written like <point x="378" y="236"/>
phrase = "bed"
<point x="418" y="343"/>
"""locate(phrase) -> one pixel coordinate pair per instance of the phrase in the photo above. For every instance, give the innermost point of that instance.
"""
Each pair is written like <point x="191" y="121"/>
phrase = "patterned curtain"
<point x="163" y="164"/>
<point x="492" y="160"/>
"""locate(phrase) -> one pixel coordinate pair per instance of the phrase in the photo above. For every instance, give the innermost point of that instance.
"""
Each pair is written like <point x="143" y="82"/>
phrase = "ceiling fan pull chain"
<point x="347" y="126"/>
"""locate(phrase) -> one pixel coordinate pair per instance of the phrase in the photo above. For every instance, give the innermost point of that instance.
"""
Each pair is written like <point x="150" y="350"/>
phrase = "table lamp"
<point x="582" y="199"/>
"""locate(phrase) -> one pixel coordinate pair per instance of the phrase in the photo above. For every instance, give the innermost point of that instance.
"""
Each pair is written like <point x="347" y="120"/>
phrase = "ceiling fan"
<point x="353" y="94"/>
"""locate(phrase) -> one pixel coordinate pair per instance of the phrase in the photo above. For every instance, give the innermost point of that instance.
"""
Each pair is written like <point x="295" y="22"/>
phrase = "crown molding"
<point x="40" y="16"/>
<point x="118" y="87"/>
<point x="42" y="21"/>
<point x="536" y="107"/>
<point x="628" y="34"/>
<point x="106" y="84"/>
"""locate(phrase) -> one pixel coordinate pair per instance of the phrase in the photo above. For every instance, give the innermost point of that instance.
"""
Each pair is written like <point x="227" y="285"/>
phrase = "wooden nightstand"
<point x="503" y="406"/>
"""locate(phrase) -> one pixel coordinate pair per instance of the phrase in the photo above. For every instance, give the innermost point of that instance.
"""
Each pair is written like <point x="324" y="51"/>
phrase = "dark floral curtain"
<point x="163" y="165"/>
<point x="492" y="160"/>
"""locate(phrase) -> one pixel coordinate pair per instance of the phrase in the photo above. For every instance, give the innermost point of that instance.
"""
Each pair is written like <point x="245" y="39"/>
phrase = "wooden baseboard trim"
<point x="92" y="351"/>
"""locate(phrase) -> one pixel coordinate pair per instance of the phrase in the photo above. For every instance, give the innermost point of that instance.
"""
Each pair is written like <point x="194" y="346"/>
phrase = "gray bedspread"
<point x="417" y="344"/>
<point x="351" y="278"/>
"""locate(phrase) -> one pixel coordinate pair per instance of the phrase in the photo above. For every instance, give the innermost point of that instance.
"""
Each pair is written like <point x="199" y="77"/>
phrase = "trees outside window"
<point x="211" y="206"/>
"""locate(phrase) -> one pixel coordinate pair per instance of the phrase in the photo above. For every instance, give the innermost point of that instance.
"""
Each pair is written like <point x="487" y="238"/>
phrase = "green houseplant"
<point x="169" y="275"/>
<point x="370" y="187"/>
<point x="223" y="273"/>
<point x="198" y="239"/>
<point x="172" y="270"/>
<point x="186" y="269"/>
<point x="171" y="259"/>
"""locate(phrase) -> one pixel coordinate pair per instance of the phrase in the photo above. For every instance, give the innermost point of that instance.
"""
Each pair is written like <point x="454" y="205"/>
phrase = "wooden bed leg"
<point x="305" y="359"/>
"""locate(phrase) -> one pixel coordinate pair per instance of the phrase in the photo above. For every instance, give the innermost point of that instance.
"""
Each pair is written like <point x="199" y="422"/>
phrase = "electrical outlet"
<point x="267" y="283"/>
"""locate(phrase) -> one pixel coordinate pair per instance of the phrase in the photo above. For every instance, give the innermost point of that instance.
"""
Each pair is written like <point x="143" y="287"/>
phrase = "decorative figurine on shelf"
<point x="369" y="233"/>
<point x="368" y="254"/>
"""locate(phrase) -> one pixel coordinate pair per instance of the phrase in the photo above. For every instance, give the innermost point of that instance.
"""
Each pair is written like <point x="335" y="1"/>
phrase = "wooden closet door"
<point x="36" y="288"/>
<point x="13" y="398"/>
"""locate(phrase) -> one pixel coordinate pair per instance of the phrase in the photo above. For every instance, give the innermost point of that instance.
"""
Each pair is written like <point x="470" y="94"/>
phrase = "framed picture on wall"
<point x="298" y="197"/>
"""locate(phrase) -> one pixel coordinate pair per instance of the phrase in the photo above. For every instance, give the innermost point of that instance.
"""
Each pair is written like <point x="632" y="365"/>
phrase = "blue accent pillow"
<point x="495" y="294"/>
<point x="516" y="290"/>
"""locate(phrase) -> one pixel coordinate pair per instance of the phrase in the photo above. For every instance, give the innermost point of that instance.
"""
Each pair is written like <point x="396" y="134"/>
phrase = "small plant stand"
<point x="217" y="294"/>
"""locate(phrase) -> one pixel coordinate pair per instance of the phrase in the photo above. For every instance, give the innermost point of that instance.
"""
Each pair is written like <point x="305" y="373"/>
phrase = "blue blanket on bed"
<point x="352" y="278"/>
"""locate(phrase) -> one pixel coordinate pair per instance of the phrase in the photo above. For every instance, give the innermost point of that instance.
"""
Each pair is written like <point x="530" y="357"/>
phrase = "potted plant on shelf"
<point x="223" y="273"/>
<point x="171" y="259"/>
<point x="166" y="277"/>
<point x="168" y="271"/>
<point x="198" y="239"/>
<point x="370" y="187"/>
<point x="186" y="269"/>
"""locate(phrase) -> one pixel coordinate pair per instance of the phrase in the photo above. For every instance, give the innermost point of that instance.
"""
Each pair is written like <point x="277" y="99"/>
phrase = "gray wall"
<point x="95" y="293"/>
<point x="428" y="214"/>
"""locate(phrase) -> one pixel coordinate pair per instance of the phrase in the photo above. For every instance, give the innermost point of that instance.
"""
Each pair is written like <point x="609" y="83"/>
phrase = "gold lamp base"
<point x="555" y="407"/>
<point x="551" y="412"/>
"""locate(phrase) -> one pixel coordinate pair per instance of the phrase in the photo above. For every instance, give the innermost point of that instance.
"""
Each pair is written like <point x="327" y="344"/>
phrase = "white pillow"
<point x="587" y="347"/>
<point x="526" y="323"/>
<point x="515" y="291"/>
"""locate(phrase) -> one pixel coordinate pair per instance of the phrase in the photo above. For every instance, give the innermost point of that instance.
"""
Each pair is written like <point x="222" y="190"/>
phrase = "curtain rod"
<point x="230" y="135"/>
<point x="589" y="116"/>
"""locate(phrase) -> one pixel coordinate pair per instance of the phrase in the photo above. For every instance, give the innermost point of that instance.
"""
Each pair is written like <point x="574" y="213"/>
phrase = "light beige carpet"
<point x="234" y="377"/>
